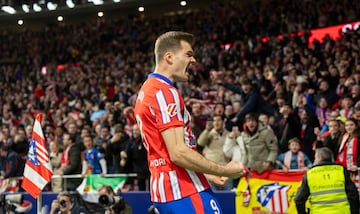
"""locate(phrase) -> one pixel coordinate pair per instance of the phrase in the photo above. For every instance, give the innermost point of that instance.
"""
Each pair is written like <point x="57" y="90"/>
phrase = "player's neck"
<point x="163" y="71"/>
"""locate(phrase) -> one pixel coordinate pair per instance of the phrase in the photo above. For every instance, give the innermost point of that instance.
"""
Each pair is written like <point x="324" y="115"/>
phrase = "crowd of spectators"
<point x="84" y="78"/>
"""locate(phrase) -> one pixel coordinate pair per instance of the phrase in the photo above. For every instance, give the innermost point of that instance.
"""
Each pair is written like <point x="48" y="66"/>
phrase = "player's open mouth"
<point x="188" y="70"/>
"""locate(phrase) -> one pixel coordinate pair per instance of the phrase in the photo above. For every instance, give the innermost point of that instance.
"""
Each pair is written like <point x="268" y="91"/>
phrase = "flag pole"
<point x="39" y="203"/>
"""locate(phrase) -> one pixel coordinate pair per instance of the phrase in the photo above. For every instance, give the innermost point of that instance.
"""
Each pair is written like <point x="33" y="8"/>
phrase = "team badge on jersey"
<point x="171" y="109"/>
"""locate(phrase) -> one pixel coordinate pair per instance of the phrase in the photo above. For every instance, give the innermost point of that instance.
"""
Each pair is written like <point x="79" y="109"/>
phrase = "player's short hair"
<point x="170" y="41"/>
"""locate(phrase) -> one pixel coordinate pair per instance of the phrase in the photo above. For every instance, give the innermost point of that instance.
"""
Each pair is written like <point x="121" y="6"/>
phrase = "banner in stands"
<point x="88" y="188"/>
<point x="269" y="192"/>
<point x="9" y="185"/>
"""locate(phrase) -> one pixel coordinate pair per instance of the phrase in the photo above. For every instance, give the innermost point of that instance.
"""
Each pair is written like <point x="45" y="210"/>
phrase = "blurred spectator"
<point x="287" y="126"/>
<point x="64" y="204"/>
<point x="326" y="92"/>
<point x="348" y="153"/>
<point x="93" y="161"/>
<point x="294" y="158"/>
<point x="101" y="143"/>
<point x="234" y="147"/>
<point x="213" y="139"/>
<point x="252" y="101"/>
<point x="119" y="207"/>
<point x="135" y="153"/>
<point x="70" y="162"/>
<point x="73" y="130"/>
<point x="13" y="164"/>
<point x="20" y="144"/>
<point x="5" y="137"/>
<point x="330" y="139"/>
<point x="55" y="162"/>
<point x="346" y="107"/>
<point x="117" y="143"/>
<point x="260" y="144"/>
<point x="309" y="128"/>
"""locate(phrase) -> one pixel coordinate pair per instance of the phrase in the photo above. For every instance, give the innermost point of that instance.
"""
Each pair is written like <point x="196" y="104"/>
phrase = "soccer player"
<point x="177" y="182"/>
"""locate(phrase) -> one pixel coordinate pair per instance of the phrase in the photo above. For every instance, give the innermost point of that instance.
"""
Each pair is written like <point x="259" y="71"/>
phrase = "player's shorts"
<point x="200" y="203"/>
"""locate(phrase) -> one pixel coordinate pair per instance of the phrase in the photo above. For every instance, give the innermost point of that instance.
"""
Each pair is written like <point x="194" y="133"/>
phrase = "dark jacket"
<point x="137" y="156"/>
<point x="252" y="102"/>
<point x="113" y="150"/>
<point x="304" y="192"/>
<point x="74" y="168"/>
<point x="286" y="129"/>
<point x="14" y="165"/>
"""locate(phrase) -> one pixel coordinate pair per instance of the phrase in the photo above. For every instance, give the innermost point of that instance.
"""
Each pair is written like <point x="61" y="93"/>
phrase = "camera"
<point x="108" y="201"/>
<point x="14" y="203"/>
<point x="62" y="203"/>
<point x="11" y="198"/>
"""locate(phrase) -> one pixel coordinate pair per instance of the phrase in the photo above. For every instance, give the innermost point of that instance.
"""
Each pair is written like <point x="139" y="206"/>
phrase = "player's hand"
<point x="219" y="180"/>
<point x="234" y="169"/>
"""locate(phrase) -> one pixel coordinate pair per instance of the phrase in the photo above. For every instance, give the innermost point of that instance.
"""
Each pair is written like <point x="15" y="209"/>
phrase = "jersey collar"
<point x="162" y="77"/>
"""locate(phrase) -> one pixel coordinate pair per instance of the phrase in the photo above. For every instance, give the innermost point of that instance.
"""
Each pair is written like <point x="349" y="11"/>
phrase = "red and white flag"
<point x="37" y="172"/>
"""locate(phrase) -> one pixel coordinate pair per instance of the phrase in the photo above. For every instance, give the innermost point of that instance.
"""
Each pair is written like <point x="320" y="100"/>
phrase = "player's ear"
<point x="169" y="57"/>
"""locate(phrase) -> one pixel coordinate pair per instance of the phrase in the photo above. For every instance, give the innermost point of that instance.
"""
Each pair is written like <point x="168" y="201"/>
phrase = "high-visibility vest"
<point x="327" y="190"/>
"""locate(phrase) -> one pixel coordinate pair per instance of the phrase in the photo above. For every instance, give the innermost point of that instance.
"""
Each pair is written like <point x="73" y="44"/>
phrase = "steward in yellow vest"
<point x="328" y="187"/>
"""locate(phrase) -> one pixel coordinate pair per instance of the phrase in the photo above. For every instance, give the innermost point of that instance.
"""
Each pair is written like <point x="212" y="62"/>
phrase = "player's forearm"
<point x="192" y="160"/>
<point x="185" y="157"/>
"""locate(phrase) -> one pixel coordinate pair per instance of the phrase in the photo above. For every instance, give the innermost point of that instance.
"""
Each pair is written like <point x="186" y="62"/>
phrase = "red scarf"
<point x="348" y="147"/>
<point x="65" y="160"/>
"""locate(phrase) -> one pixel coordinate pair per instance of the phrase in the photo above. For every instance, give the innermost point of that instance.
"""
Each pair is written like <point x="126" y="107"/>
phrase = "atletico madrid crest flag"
<point x="37" y="172"/>
<point x="271" y="192"/>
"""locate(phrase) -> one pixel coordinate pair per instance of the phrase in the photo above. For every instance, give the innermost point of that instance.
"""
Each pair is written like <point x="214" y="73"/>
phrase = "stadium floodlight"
<point x="183" y="3"/>
<point x="70" y="3"/>
<point x="96" y="2"/>
<point x="8" y="9"/>
<point x="26" y="8"/>
<point x="51" y="6"/>
<point x="116" y="1"/>
<point x="20" y="22"/>
<point x="36" y="7"/>
<point x="60" y="18"/>
<point x="141" y="9"/>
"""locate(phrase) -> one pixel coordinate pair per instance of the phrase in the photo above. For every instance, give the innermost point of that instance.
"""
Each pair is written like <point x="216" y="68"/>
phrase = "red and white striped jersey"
<point x="160" y="106"/>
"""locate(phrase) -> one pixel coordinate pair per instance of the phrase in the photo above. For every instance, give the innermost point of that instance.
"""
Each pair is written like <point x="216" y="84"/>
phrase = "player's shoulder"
<point x="153" y="85"/>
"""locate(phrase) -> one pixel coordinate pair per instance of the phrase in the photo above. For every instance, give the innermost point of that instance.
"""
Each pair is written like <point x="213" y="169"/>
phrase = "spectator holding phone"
<point x="213" y="139"/>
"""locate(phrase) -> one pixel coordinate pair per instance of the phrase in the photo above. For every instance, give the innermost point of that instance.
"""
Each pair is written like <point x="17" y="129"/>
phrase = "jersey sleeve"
<point x="168" y="107"/>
